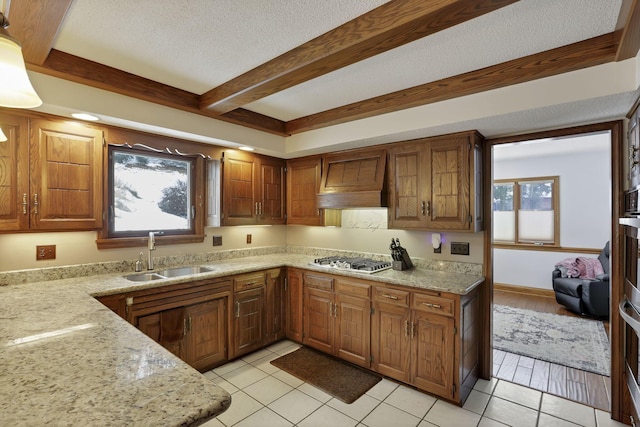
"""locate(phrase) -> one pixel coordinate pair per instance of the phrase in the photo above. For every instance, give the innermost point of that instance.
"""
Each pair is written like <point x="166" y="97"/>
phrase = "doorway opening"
<point x="551" y="201"/>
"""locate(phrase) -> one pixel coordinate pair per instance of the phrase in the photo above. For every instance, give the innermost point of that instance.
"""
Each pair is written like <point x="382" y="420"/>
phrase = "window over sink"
<point x="155" y="189"/>
<point x="150" y="192"/>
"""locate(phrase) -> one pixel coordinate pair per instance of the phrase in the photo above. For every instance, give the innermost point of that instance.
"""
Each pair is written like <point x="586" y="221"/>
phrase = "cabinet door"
<point x="390" y="341"/>
<point x="65" y="176"/>
<point x="248" y="321"/>
<point x="448" y="184"/>
<point x="353" y="329"/>
<point x="206" y="339"/>
<point x="238" y="190"/>
<point x="319" y="319"/>
<point x="408" y="183"/>
<point x="433" y="353"/>
<point x="303" y="183"/>
<point x="293" y="306"/>
<point x="271" y="195"/>
<point x="275" y="305"/>
<point x="14" y="173"/>
<point x="151" y="325"/>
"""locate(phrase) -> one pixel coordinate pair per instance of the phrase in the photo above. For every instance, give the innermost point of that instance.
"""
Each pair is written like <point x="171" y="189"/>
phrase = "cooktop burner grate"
<point x="364" y="265"/>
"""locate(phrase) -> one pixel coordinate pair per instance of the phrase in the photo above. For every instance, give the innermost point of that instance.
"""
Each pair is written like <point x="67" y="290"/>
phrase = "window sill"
<point x="130" y="242"/>
<point x="545" y="248"/>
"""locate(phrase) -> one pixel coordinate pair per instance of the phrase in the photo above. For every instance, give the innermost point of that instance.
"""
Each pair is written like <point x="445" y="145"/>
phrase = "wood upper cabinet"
<point x="435" y="183"/>
<point x="253" y="189"/>
<point x="66" y="176"/>
<point x="52" y="175"/>
<point x="293" y="305"/>
<point x="14" y="173"/>
<point x="338" y="321"/>
<point x="303" y="182"/>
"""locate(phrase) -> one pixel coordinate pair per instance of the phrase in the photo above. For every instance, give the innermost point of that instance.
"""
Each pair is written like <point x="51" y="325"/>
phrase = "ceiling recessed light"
<point x="84" y="116"/>
<point x="245" y="148"/>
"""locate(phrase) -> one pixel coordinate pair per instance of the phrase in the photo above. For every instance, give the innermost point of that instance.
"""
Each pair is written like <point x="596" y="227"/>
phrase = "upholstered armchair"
<point x="585" y="296"/>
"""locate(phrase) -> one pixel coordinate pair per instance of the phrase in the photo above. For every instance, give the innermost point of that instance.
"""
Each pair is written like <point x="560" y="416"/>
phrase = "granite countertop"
<point x="66" y="358"/>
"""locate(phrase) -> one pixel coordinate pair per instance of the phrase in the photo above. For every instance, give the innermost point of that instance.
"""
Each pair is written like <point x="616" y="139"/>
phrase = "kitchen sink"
<point x="184" y="271"/>
<point x="169" y="273"/>
<point x="144" y="277"/>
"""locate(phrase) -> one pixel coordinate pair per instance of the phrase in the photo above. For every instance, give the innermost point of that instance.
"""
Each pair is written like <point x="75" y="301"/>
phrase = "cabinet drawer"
<point x="248" y="281"/>
<point x="353" y="288"/>
<point x="392" y="296"/>
<point x="323" y="282"/>
<point x="443" y="306"/>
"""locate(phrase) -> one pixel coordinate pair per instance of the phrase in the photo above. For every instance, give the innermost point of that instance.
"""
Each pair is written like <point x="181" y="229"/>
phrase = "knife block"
<point x="404" y="264"/>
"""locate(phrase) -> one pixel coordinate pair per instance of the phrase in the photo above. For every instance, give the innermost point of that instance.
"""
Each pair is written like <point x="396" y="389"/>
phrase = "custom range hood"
<point x="353" y="179"/>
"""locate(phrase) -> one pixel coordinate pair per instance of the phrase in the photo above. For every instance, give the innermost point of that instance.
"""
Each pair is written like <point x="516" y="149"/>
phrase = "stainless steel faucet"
<point x="152" y="247"/>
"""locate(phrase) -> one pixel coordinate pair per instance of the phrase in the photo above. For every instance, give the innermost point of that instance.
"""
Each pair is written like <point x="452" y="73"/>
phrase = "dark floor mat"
<point x="340" y="379"/>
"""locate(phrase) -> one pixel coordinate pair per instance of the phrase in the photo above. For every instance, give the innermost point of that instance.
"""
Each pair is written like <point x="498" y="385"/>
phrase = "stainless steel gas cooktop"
<point x="361" y="265"/>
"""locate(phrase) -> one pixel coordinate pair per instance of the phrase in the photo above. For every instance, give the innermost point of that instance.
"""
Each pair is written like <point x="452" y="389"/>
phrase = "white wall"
<point x="18" y="251"/>
<point x="585" y="207"/>
<point x="365" y="230"/>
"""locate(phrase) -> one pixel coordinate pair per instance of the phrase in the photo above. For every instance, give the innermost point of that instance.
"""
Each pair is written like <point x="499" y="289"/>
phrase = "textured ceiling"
<point x="196" y="45"/>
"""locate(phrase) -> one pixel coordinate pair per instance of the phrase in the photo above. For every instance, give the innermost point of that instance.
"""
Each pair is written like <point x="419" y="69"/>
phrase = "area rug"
<point x="333" y="376"/>
<point x="576" y="342"/>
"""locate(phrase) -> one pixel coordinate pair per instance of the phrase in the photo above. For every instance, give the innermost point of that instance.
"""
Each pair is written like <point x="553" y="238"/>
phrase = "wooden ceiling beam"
<point x="587" y="53"/>
<point x="79" y="70"/>
<point x="391" y="25"/>
<point x="35" y="24"/>
<point x="630" y="33"/>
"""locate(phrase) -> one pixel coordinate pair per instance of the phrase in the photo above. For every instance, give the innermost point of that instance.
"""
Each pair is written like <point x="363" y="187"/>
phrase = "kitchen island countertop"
<point x="67" y="359"/>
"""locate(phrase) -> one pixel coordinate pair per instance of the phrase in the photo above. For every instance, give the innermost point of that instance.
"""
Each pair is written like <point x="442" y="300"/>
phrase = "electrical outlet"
<point x="459" y="248"/>
<point x="217" y="240"/>
<point x="45" y="252"/>
<point x="248" y="239"/>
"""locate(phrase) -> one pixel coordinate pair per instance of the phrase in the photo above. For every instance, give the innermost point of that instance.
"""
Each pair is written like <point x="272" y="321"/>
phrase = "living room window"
<point x="525" y="211"/>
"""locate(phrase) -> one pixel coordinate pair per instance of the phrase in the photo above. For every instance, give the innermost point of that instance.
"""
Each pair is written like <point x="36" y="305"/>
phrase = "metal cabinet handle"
<point x="237" y="308"/>
<point x="256" y="208"/>
<point x="430" y="305"/>
<point x="406" y="328"/>
<point x="413" y="330"/>
<point x="423" y="208"/>
<point x="184" y="327"/>
<point x="393" y="297"/>
<point x="428" y="208"/>
<point x="260" y="207"/>
<point x="189" y="323"/>
<point x="24" y="204"/>
<point x="35" y="204"/>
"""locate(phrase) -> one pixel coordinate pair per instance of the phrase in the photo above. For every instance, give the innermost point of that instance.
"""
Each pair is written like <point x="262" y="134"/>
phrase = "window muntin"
<point x="525" y="211"/>
<point x="149" y="192"/>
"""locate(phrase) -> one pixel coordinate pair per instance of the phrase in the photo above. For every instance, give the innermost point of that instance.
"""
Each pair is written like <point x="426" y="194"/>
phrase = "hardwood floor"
<point x="573" y="384"/>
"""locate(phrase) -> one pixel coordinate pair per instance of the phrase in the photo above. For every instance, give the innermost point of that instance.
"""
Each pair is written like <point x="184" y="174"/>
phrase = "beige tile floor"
<point x="265" y="396"/>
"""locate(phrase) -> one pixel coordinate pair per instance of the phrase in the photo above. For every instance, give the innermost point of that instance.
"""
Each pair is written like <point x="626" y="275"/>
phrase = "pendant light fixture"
<point x="15" y="88"/>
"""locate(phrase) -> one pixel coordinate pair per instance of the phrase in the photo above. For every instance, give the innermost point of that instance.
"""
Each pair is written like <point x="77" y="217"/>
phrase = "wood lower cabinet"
<point x="338" y="321"/>
<point x="249" y="319"/>
<point x="191" y="320"/>
<point x="428" y="340"/>
<point x="275" y="305"/>
<point x="293" y="296"/>
<point x="197" y="333"/>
